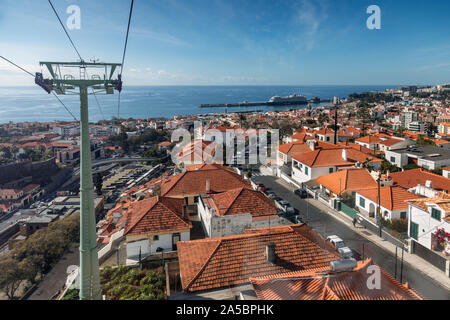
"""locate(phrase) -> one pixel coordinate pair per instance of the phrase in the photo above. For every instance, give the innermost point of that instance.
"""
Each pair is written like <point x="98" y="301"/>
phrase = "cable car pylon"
<point x="71" y="84"/>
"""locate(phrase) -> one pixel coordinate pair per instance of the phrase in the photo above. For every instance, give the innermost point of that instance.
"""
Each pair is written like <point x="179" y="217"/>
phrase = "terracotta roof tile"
<point x="369" y="139"/>
<point x="194" y="182"/>
<point x="392" y="198"/>
<point x="347" y="180"/>
<point x="229" y="261"/>
<point x="240" y="201"/>
<point x="411" y="178"/>
<point x="318" y="284"/>
<point x="157" y="214"/>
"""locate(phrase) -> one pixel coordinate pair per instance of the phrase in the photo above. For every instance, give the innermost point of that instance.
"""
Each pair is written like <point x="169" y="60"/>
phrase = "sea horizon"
<point x="31" y="103"/>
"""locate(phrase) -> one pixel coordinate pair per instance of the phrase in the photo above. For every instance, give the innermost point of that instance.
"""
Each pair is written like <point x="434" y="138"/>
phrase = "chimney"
<point x="270" y="252"/>
<point x="208" y="186"/>
<point x="344" y="154"/>
<point x="311" y="144"/>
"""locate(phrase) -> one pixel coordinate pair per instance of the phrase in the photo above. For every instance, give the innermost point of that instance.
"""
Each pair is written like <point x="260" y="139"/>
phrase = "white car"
<point x="345" y="251"/>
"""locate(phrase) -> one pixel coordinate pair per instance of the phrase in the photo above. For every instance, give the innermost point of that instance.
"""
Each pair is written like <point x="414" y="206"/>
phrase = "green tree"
<point x="421" y="141"/>
<point x="387" y="166"/>
<point x="11" y="277"/>
<point x="124" y="140"/>
<point x="6" y="152"/>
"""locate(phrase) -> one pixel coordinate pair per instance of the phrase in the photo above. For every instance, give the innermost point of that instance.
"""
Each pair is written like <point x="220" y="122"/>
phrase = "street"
<point x="327" y="225"/>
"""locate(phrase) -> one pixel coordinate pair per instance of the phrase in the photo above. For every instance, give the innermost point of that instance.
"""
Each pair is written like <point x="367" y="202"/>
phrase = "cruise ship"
<point x="292" y="99"/>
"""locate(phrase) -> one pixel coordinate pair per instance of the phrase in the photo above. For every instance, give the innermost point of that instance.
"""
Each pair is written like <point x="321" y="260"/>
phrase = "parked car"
<point x="301" y="193"/>
<point x="341" y="247"/>
<point x="267" y="190"/>
<point x="298" y="219"/>
<point x="271" y="195"/>
<point x="286" y="207"/>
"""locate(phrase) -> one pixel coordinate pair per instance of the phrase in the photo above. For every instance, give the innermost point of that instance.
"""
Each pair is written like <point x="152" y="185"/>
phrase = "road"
<point x="55" y="280"/>
<point x="327" y="225"/>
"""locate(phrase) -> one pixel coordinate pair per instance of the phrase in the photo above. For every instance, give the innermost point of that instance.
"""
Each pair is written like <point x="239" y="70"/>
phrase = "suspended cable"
<point x="124" y="53"/>
<point x="64" y="28"/>
<point x="17" y="66"/>
<point x="65" y="107"/>
<point x="98" y="104"/>
<point x="76" y="50"/>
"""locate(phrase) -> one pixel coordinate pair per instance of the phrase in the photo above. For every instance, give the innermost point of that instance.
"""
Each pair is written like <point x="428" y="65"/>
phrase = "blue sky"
<point x="236" y="42"/>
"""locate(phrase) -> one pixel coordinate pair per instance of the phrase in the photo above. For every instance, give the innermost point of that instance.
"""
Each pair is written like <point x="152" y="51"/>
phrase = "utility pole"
<point x="395" y="273"/>
<point x="336" y="102"/>
<point x="380" y="219"/>
<point x="63" y="84"/>
<point x="401" y="267"/>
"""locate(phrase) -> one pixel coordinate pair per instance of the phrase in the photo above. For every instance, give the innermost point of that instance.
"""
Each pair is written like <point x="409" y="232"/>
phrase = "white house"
<point x="428" y="157"/>
<point x="321" y="161"/>
<point x="395" y="144"/>
<point x="370" y="142"/>
<point x="446" y="172"/>
<point x="392" y="202"/>
<point x="426" y="216"/>
<point x="154" y="225"/>
<point x="230" y="212"/>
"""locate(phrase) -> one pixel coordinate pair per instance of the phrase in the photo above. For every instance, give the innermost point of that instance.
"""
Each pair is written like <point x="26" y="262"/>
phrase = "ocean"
<point x="20" y="104"/>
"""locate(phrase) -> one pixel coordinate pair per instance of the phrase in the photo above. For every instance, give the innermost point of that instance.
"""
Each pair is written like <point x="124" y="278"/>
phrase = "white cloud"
<point x="151" y="76"/>
<point x="311" y="15"/>
<point x="158" y="36"/>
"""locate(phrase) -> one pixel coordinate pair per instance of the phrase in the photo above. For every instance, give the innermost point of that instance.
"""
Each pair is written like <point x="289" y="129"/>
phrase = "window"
<point x="328" y="138"/>
<point x="330" y="170"/>
<point x="414" y="230"/>
<point x="155" y="238"/>
<point x="436" y="214"/>
<point x="362" y="202"/>
<point x="403" y="215"/>
<point x="306" y="170"/>
<point x="392" y="159"/>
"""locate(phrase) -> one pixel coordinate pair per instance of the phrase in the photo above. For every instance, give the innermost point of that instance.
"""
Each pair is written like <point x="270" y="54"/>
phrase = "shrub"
<point x="125" y="283"/>
<point x="71" y="294"/>
<point x="400" y="225"/>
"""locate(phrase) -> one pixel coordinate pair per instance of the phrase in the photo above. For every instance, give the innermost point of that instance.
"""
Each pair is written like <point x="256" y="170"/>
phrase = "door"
<point x="175" y="237"/>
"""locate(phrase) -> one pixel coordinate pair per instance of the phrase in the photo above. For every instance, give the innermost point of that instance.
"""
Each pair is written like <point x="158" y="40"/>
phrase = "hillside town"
<point x="350" y="183"/>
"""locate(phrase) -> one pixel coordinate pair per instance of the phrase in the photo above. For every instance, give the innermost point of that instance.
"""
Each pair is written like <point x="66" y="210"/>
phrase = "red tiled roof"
<point x="197" y="150"/>
<point x="294" y="148"/>
<point x="391" y="198"/>
<point x="356" y="146"/>
<point x="322" y="284"/>
<point x="299" y="136"/>
<point x="442" y="200"/>
<point x="369" y="139"/>
<point x="241" y="201"/>
<point x="157" y="214"/>
<point x="411" y="178"/>
<point x="390" y="142"/>
<point x="332" y="157"/>
<point x="229" y="261"/>
<point x="194" y="182"/>
<point x="347" y="180"/>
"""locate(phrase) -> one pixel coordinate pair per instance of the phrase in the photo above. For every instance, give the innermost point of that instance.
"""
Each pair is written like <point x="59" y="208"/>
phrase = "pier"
<point x="257" y="104"/>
